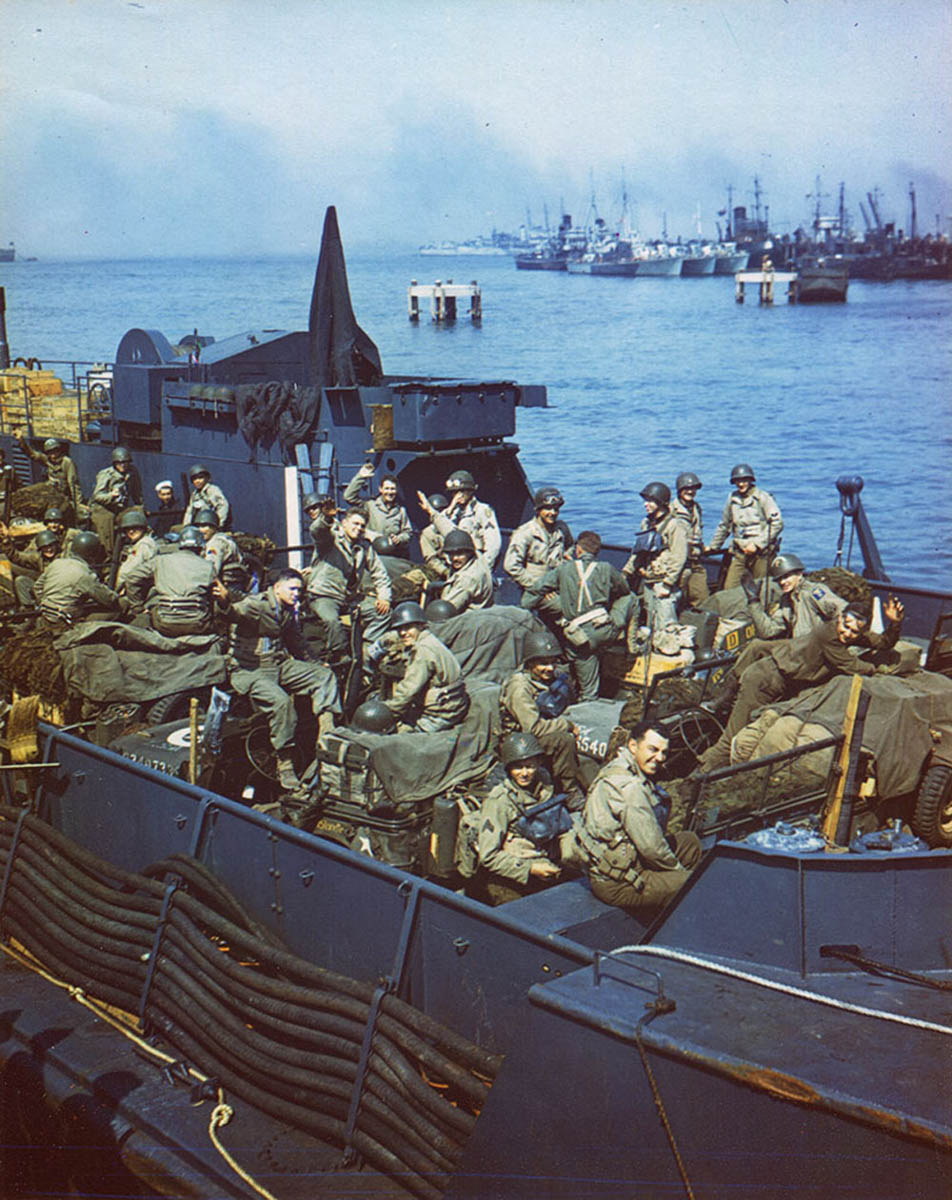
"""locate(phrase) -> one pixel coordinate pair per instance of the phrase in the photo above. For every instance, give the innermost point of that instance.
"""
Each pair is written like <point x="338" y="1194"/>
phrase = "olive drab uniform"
<point x="519" y="709"/>
<point x="431" y="695"/>
<point x="69" y="591"/>
<point x="469" y="587"/>
<point x="596" y="605"/>
<point x="270" y="661"/>
<point x="431" y="551"/>
<point x="693" y="583"/>
<point x="629" y="861"/>
<point x="770" y="671"/>
<point x="176" y="590"/>
<point x="61" y="475"/>
<point x="479" y="521"/>
<point x="223" y="552"/>
<point x="663" y="570"/>
<point x="533" y="549"/>
<point x="339" y="579"/>
<point x="382" y="521"/>
<point x="752" y="518"/>
<point x="211" y="496"/>
<point x="798" y="612"/>
<point x="502" y="852"/>
<point x="144" y="550"/>
<point x="112" y="493"/>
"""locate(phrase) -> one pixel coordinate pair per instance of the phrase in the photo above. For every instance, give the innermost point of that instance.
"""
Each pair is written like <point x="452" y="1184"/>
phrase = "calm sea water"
<point x="646" y="378"/>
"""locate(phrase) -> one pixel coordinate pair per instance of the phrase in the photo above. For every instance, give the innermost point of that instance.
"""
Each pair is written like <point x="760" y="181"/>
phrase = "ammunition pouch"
<point x="619" y="864"/>
<point x="583" y="631"/>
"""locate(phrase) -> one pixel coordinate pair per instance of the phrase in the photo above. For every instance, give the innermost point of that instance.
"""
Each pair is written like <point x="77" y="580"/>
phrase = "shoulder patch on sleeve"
<point x="819" y="593"/>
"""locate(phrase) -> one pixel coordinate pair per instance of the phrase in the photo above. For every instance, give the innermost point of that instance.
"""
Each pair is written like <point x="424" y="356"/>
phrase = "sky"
<point x="224" y="127"/>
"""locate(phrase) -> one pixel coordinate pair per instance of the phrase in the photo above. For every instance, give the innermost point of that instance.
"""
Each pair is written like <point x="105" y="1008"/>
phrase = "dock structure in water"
<point x="444" y="299"/>
<point x="766" y="280"/>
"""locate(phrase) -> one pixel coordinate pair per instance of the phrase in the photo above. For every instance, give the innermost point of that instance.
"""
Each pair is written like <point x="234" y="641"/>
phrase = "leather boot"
<point x="287" y="776"/>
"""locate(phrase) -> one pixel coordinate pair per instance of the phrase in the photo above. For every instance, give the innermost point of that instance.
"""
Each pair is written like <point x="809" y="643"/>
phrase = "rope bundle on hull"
<point x="278" y="1031"/>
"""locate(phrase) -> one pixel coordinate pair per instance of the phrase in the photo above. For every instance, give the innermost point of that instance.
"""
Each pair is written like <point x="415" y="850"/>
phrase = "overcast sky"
<point x="136" y="127"/>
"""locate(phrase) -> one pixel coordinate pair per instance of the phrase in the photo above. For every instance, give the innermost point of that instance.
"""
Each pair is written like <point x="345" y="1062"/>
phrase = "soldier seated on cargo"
<point x="465" y="512"/>
<point x="509" y="845"/>
<point x="470" y="582"/>
<point x="69" y="591"/>
<point x="342" y="578"/>
<point x="205" y="495"/>
<point x="175" y="589"/>
<point x="140" y="546"/>
<point x="47" y="548"/>
<point x="431" y="695"/>
<point x="387" y="520"/>
<point x="431" y="540"/>
<point x="802" y="606"/>
<point x="539" y="544"/>
<point x="521" y="701"/>
<point x="321" y="510"/>
<point x="61" y="471"/>
<point x="222" y="551"/>
<point x="630" y="861"/>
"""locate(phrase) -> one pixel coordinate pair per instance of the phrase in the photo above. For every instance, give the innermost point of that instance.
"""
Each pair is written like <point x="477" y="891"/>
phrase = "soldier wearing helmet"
<point x="270" y="661"/>
<point x="431" y="695"/>
<point x="386" y="517"/>
<point x="69" y="591"/>
<point x="470" y="582"/>
<point x="176" y="590"/>
<point x="802" y="606"/>
<point x="47" y="546"/>
<point x="221" y="550"/>
<point x="206" y="494"/>
<point x="693" y="584"/>
<point x="519" y="709"/>
<point x="431" y="540"/>
<point x="510" y="864"/>
<point x="117" y="487"/>
<point x="752" y="520"/>
<point x="541" y="543"/>
<point x="321" y="510"/>
<point x="349" y="574"/>
<point x="465" y="512"/>
<point x="27" y="562"/>
<point x="61" y="471"/>
<point x="659" y="556"/>
<point x="141" y="546"/>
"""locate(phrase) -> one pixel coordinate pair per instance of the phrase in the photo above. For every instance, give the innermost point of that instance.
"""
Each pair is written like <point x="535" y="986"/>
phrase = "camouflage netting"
<point x="845" y="583"/>
<point x="30" y="665"/>
<point x="259" y="547"/>
<point x="34" y="499"/>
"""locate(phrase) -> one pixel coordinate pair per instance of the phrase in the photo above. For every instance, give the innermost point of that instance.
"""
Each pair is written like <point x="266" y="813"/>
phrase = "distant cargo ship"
<point x="482" y="247"/>
<point x="7" y="253"/>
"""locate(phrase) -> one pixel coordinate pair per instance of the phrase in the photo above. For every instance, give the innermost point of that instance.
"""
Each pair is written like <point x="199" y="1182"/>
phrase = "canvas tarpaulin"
<point x="106" y="661"/>
<point x="487" y="642"/>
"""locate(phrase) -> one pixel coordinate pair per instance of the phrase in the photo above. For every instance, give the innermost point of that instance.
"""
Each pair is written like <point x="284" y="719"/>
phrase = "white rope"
<point x="774" y="986"/>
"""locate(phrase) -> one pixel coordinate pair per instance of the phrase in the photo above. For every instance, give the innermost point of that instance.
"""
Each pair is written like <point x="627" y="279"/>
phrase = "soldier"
<point x="386" y="519"/>
<point x="659" y="569"/>
<point x="339" y="580"/>
<point x="595" y="603"/>
<point x="222" y="551"/>
<point x="770" y="671"/>
<point x="510" y="862"/>
<point x="539" y="544"/>
<point x="270" y="661"/>
<point x="176" y="589"/>
<point x="752" y="519"/>
<point x="206" y="494"/>
<point x="470" y="583"/>
<point x="465" y="512"/>
<point x="693" y="583"/>
<point x="69" y="591"/>
<point x="61" y="471"/>
<point x="321" y="510"/>
<point x="803" y="605"/>
<point x="431" y="540"/>
<point x="117" y="487"/>
<point x="167" y="514"/>
<point x="631" y="863"/>
<point x="519" y="709"/>
<point x="431" y="695"/>
<point x="48" y="548"/>
<point x="141" y="545"/>
<point x="27" y="560"/>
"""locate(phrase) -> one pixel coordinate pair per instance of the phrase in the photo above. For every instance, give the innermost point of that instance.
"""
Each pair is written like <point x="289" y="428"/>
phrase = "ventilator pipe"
<point x="849" y="487"/>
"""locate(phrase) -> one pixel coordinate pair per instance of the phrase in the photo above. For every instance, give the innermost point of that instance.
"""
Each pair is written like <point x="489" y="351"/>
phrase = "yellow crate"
<point x="641" y="669"/>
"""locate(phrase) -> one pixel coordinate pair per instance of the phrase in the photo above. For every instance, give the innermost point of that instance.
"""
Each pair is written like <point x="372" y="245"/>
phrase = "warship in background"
<point x="8" y="253"/>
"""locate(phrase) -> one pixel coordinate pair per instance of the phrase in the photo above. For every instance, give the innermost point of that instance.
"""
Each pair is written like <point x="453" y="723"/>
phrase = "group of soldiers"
<point x="610" y="822"/>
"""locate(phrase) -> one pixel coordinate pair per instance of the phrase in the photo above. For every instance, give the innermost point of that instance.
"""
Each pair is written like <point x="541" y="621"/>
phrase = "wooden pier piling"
<point x="444" y="300"/>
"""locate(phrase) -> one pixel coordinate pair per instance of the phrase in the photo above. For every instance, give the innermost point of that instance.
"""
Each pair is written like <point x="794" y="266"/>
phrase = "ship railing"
<point x="86" y="397"/>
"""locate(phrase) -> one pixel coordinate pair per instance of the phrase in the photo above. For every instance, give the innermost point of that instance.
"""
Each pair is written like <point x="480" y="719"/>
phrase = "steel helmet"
<point x="517" y="747"/>
<point x="438" y="501"/>
<point x="382" y="544"/>
<point x="199" y="469"/>
<point x="785" y="564"/>
<point x="408" y="613"/>
<point x="440" y="610"/>
<point x="540" y="644"/>
<point x="133" y="519"/>
<point x="53" y="514"/>
<point x="687" y="479"/>
<point x="191" y="539"/>
<point x="52" y="444"/>
<point x="660" y="493"/>
<point x="46" y="537"/>
<point x="548" y="497"/>
<point x="461" y="481"/>
<point x="458" y="541"/>
<point x="314" y="500"/>
<point x="373" y="716"/>
<point x="121" y="454"/>
<point x="205" y="516"/>
<point x="87" y="546"/>
<point x="742" y="471"/>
